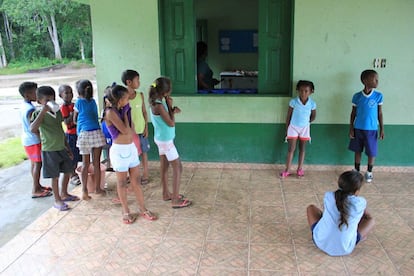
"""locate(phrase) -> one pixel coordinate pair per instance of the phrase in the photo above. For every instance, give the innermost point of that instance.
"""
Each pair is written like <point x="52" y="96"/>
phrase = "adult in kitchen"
<point x="205" y="78"/>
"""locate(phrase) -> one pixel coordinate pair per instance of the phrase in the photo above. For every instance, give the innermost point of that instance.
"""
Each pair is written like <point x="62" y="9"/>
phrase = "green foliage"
<point x="30" y="20"/>
<point x="12" y="152"/>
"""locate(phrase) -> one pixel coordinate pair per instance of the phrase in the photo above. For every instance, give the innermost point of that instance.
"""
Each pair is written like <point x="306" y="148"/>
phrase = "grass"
<point x="20" y="67"/>
<point x="12" y="152"/>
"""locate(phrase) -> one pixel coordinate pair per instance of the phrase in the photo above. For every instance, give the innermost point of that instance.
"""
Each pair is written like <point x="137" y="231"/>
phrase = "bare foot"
<point x="100" y="193"/>
<point x="85" y="196"/>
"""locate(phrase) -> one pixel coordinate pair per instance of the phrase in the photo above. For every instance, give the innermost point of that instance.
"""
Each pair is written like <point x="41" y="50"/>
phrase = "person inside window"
<point x="205" y="78"/>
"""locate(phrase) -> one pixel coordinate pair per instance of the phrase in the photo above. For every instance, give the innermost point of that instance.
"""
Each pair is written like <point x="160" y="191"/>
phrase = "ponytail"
<point x="158" y="89"/>
<point x="342" y="205"/>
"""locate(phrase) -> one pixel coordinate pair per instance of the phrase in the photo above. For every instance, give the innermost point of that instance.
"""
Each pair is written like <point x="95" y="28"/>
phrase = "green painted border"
<point x="264" y="143"/>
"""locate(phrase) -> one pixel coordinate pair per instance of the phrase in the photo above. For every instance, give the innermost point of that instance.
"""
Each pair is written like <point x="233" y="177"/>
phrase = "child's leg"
<point x="96" y="160"/>
<point x="35" y="170"/>
<point x="314" y="214"/>
<point x="365" y="225"/>
<point x="164" y="177"/>
<point x="56" y="192"/>
<point x="122" y="190"/>
<point x="144" y="162"/>
<point x="177" y="170"/>
<point x="302" y="147"/>
<point x="84" y="175"/>
<point x="134" y="176"/>
<point x="357" y="160"/>
<point x="291" y="151"/>
<point x="371" y="160"/>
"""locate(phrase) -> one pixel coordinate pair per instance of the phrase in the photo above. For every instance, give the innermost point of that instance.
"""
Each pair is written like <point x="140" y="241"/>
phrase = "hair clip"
<point x="154" y="85"/>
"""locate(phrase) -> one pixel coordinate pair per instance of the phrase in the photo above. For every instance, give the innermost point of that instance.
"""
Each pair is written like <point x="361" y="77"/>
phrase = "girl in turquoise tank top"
<point x="163" y="119"/>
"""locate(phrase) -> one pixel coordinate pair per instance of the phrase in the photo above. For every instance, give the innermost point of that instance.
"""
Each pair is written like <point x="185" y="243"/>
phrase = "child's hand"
<point x="381" y="136"/>
<point x="351" y="133"/>
<point x="176" y="109"/>
<point x="169" y="100"/>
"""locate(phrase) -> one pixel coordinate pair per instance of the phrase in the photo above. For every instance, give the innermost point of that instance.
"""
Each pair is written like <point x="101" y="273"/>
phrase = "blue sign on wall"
<point x="238" y="41"/>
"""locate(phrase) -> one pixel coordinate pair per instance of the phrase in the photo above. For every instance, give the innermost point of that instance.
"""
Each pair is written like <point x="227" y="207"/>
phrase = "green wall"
<point x="333" y="42"/>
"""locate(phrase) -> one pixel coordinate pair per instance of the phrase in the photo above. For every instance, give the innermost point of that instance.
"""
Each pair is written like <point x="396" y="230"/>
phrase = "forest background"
<point x="41" y="33"/>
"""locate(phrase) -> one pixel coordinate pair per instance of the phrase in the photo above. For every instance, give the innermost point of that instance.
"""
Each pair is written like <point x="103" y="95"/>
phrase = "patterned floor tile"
<point x="232" y="184"/>
<point x="178" y="252"/>
<point x="235" y="175"/>
<point x="266" y="198"/>
<point x="75" y="223"/>
<point x="166" y="270"/>
<point x="407" y="215"/>
<point x="236" y="213"/>
<point x="264" y="176"/>
<point x="225" y="255"/>
<point x="188" y="229"/>
<point x="369" y="261"/>
<point x="312" y="260"/>
<point x="268" y="214"/>
<point x="265" y="185"/>
<point x="270" y="233"/>
<point x="196" y="211"/>
<point x="401" y="201"/>
<point x="253" y="272"/>
<point x="403" y="260"/>
<point x="47" y="220"/>
<point x="30" y="264"/>
<point x="302" y="187"/>
<point x="228" y="231"/>
<point x="232" y="197"/>
<point x="207" y="271"/>
<point x="278" y="257"/>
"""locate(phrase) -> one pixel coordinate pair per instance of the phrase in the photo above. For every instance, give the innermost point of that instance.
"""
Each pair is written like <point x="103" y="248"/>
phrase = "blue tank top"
<point x="162" y="131"/>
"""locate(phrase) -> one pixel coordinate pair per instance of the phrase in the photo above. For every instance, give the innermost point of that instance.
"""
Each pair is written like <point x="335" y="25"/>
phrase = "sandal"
<point x="300" y="173"/>
<point x="128" y="218"/>
<point x="148" y="215"/>
<point x="180" y="197"/>
<point x="182" y="204"/>
<point x="144" y="181"/>
<point x="284" y="174"/>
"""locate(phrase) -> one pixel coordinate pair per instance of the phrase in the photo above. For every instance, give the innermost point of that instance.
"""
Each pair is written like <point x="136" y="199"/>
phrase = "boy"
<point x="30" y="140"/>
<point x="130" y="78"/>
<point x="365" y="116"/>
<point x="67" y="109"/>
<point x="56" y="154"/>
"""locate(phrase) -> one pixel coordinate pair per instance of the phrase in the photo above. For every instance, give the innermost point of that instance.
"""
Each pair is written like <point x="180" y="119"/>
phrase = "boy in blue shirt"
<point x="365" y="116"/>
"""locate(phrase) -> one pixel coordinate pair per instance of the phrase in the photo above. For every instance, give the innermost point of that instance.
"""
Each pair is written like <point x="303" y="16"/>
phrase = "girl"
<point x="301" y="112"/>
<point x="345" y="220"/>
<point x="162" y="117"/>
<point x="90" y="136"/>
<point x="123" y="152"/>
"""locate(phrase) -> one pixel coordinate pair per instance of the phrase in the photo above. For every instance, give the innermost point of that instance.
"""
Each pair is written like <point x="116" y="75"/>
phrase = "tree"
<point x="39" y="16"/>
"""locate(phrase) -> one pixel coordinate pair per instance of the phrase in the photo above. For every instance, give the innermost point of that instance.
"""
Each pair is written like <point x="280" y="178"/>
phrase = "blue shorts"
<point x="71" y="139"/>
<point x="358" y="234"/>
<point x="367" y="139"/>
<point x="145" y="146"/>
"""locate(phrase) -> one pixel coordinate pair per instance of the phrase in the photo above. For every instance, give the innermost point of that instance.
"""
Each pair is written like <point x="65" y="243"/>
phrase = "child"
<point x="345" y="220"/>
<point x="163" y="119"/>
<point x="365" y="115"/>
<point x="124" y="153"/>
<point x="90" y="136"/>
<point x="130" y="78"/>
<point x="108" y="138"/>
<point x="30" y="140"/>
<point x="56" y="153"/>
<point x="67" y="109"/>
<point x="301" y="112"/>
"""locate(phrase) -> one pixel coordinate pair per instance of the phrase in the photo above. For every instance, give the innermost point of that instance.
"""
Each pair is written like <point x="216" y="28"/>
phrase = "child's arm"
<point x="312" y="116"/>
<point x="288" y="117"/>
<point x="34" y="126"/>
<point x="121" y="124"/>
<point x="145" y="115"/>
<point x="351" y="125"/>
<point x="75" y="116"/>
<point x="381" y="123"/>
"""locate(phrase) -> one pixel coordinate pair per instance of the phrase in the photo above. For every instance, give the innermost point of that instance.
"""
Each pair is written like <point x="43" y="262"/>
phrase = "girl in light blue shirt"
<point x="345" y="220"/>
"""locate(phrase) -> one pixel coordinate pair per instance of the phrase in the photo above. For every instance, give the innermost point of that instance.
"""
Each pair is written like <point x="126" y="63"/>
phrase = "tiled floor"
<point x="244" y="221"/>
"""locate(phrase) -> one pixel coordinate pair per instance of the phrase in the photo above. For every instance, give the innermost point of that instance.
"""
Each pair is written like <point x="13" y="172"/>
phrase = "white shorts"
<point x="168" y="149"/>
<point x="302" y="132"/>
<point x="123" y="156"/>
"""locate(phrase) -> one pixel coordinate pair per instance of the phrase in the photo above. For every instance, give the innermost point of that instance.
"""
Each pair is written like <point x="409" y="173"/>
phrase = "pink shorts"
<point x="303" y="133"/>
<point x="34" y="152"/>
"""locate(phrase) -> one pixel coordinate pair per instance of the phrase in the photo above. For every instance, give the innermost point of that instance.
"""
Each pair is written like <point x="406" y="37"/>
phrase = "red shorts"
<point x="34" y="152"/>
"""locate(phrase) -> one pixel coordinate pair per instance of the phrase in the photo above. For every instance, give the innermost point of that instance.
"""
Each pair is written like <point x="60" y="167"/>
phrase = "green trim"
<point x="264" y="143"/>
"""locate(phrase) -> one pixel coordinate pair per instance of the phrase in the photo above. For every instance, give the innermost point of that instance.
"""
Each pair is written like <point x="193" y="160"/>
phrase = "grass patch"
<point x="21" y="67"/>
<point x="12" y="152"/>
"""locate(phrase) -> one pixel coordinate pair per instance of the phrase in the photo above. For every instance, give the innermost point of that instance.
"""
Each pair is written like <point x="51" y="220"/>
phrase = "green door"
<point x="275" y="46"/>
<point x="178" y="57"/>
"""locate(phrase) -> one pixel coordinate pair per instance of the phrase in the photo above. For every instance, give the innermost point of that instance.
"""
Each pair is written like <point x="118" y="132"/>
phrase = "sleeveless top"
<point x="162" y="131"/>
<point x="137" y="116"/>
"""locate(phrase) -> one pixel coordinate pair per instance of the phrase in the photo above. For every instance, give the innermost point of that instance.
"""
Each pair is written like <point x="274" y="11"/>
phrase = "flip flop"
<point x="184" y="203"/>
<point x="180" y="196"/>
<point x="63" y="207"/>
<point x="46" y="188"/>
<point x="116" y="200"/>
<point x="144" y="181"/>
<point x="71" y="198"/>
<point x="45" y="193"/>
<point x="128" y="218"/>
<point x="148" y="215"/>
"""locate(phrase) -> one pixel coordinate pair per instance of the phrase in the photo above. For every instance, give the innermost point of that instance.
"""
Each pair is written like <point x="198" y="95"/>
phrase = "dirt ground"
<point x="10" y="98"/>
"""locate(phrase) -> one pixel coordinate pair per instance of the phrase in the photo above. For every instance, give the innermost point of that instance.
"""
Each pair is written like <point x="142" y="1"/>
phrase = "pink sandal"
<point x="300" y="173"/>
<point x="284" y="174"/>
<point x="148" y="215"/>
